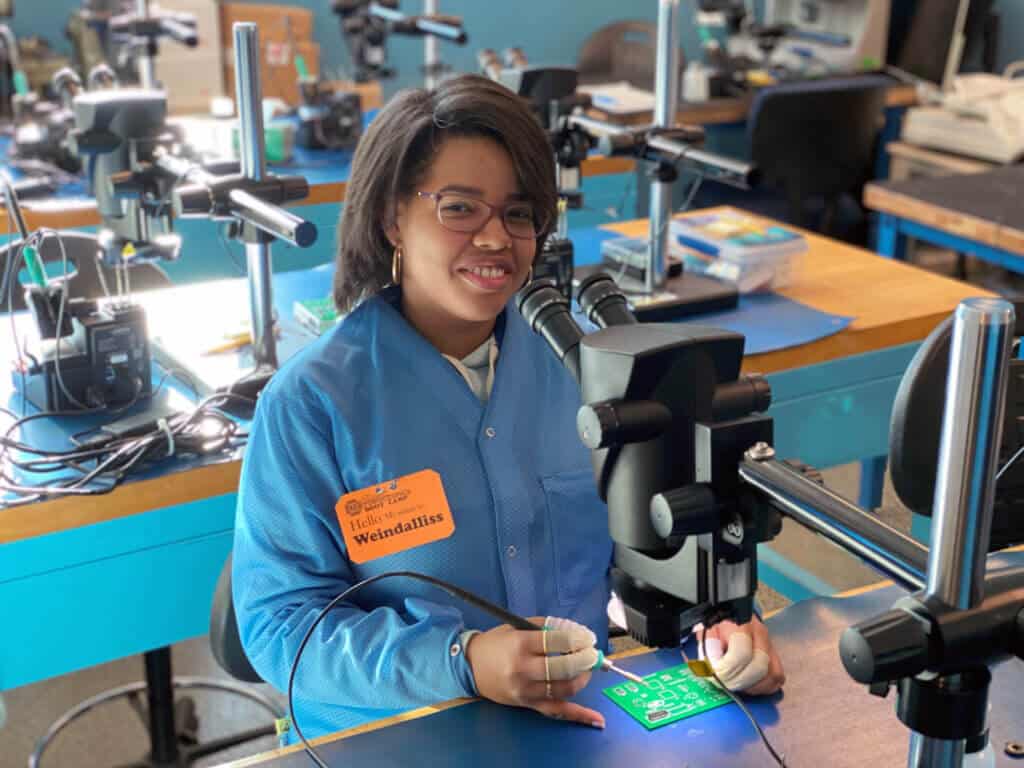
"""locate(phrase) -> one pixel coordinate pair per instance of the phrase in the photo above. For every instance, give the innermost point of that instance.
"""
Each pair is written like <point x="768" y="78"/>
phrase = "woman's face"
<point x="454" y="280"/>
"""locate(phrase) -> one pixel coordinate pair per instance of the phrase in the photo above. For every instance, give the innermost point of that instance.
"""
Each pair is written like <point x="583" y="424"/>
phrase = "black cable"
<point x="779" y="759"/>
<point x="497" y="611"/>
<point x="1010" y="462"/>
<point x="115" y="460"/>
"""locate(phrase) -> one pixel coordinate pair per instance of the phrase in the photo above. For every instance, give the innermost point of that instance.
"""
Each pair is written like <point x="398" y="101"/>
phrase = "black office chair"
<point x="621" y="51"/>
<point x="88" y="277"/>
<point x="172" y="724"/>
<point x="816" y="140"/>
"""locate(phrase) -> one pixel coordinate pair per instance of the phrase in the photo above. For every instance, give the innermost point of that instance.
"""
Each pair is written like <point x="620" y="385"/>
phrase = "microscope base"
<point x="684" y="296"/>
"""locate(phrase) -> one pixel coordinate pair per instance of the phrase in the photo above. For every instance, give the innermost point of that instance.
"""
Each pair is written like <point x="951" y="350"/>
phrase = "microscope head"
<point x="118" y="127"/>
<point x="668" y="417"/>
<point x="673" y="369"/>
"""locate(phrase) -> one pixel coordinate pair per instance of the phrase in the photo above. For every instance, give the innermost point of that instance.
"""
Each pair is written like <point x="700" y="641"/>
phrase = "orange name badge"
<point x="394" y="516"/>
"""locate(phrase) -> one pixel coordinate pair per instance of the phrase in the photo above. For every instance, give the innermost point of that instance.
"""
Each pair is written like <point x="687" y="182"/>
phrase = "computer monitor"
<point x="938" y="34"/>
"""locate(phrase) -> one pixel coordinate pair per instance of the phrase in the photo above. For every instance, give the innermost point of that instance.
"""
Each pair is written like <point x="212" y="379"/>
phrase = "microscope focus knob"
<point x="618" y="422"/>
<point x="684" y="511"/>
<point x="891" y="646"/>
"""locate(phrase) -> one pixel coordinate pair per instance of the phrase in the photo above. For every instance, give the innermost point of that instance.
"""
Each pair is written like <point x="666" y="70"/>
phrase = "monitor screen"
<point x="928" y="50"/>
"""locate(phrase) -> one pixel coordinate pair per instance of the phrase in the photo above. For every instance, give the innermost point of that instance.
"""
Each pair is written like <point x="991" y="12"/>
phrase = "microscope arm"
<point x="825" y="512"/>
<point x="673" y="146"/>
<point x="444" y="27"/>
<point x="255" y="202"/>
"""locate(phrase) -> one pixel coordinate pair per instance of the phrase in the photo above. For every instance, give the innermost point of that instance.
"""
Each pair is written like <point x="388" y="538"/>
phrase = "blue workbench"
<point x="822" y="717"/>
<point x="976" y="214"/>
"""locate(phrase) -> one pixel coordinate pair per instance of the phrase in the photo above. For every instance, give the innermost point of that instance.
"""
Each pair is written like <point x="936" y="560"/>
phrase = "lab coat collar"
<point x="424" y="363"/>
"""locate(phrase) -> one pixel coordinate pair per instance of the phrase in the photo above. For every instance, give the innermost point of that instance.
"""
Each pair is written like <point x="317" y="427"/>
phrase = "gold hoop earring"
<point x="396" y="266"/>
<point x="529" y="278"/>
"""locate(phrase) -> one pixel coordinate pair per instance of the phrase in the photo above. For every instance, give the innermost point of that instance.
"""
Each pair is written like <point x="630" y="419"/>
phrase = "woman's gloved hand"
<point x="539" y="670"/>
<point x="743" y="657"/>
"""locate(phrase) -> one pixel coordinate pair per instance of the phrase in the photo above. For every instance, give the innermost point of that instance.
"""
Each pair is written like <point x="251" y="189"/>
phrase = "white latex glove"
<point x="574" y="644"/>
<point x="743" y="657"/>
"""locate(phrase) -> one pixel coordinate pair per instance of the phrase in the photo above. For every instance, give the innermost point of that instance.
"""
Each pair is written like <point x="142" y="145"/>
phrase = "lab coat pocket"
<point x="579" y="534"/>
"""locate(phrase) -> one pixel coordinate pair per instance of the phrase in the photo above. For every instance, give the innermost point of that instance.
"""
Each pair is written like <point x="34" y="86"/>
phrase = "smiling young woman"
<point x="461" y="187"/>
<point x="432" y="397"/>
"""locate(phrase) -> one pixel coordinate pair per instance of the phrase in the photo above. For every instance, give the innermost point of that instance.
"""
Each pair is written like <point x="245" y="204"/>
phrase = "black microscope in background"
<point x="143" y="179"/>
<point x="657" y="285"/>
<point x="682" y="455"/>
<point x="367" y="24"/>
<point x="125" y="35"/>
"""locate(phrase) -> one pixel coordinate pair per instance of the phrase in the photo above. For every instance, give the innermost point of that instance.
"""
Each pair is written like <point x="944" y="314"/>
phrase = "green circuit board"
<point x="671" y="695"/>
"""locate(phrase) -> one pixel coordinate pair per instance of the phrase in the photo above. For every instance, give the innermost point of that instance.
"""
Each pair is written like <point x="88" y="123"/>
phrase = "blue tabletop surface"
<point x="823" y="718"/>
<point x="52" y="433"/>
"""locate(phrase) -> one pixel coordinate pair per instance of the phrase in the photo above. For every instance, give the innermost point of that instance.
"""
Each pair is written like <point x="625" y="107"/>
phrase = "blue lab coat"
<point x="373" y="400"/>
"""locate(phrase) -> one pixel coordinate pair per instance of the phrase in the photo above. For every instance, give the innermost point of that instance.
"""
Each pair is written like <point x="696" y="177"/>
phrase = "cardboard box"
<point x="277" y="23"/>
<point x="191" y="83"/>
<point x="192" y="76"/>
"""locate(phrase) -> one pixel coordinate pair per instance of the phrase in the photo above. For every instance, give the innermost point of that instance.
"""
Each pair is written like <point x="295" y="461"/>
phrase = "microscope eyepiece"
<point x="602" y="302"/>
<point x="546" y="311"/>
<point x="748" y="394"/>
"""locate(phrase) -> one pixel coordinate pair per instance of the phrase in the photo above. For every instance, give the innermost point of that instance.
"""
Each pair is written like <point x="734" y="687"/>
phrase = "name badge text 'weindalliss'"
<point x="394" y="516"/>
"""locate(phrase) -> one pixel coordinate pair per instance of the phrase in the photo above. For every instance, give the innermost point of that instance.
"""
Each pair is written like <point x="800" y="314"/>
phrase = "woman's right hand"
<point x="514" y="667"/>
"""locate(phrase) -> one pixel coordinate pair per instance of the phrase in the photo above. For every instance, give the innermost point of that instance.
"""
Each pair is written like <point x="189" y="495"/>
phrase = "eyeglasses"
<point x="462" y="213"/>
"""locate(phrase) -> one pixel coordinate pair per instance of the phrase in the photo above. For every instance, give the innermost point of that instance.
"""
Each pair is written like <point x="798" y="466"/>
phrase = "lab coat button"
<point x="490" y="432"/>
<point x="455" y="649"/>
<point x="511" y="551"/>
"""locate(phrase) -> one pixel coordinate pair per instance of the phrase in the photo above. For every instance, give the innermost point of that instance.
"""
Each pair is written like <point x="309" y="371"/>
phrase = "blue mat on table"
<point x="769" y="322"/>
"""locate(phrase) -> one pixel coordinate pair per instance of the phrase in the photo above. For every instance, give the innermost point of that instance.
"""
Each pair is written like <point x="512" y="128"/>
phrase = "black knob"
<point x="684" y="511"/>
<point x="192" y="200"/>
<point x="891" y="646"/>
<point x="292" y="188"/>
<point x="617" y="422"/>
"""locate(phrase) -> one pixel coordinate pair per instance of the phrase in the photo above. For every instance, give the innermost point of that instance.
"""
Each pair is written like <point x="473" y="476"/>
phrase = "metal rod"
<point x="724" y="169"/>
<point x="261" y="303"/>
<point x="666" y="83"/>
<point x="431" y="54"/>
<point x="666" y="98"/>
<point x="965" y="481"/>
<point x="272" y="219"/>
<point x="814" y="506"/>
<point x="250" y="139"/>
<point x="926" y="752"/>
<point x="969" y="451"/>
<point x="11" y="44"/>
<point x="13" y="206"/>
<point x="249" y="96"/>
<point x="147" y="67"/>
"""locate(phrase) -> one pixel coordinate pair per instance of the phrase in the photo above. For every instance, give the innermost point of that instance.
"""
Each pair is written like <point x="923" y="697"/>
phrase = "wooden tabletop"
<point x="731" y="110"/>
<point x="946" y="162"/>
<point x="893" y="304"/>
<point x="984" y="207"/>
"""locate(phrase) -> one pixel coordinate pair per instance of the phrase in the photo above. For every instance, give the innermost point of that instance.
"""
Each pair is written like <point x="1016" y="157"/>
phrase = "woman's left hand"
<point x="744" y="658"/>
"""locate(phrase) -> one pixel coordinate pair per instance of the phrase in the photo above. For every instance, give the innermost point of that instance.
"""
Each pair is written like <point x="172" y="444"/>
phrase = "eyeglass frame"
<point x="436" y="197"/>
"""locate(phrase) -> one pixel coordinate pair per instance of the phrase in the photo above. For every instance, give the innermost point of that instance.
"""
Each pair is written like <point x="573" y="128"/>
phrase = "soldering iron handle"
<point x="272" y="219"/>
